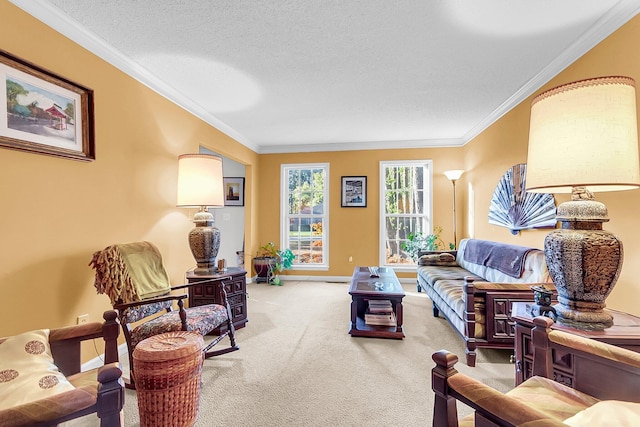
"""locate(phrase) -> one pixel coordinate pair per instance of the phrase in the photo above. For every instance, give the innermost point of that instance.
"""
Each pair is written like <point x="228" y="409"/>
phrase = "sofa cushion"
<point x="443" y="259"/>
<point x="431" y="273"/>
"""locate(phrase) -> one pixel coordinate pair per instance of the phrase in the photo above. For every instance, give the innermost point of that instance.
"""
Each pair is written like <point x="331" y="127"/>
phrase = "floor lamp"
<point x="453" y="176"/>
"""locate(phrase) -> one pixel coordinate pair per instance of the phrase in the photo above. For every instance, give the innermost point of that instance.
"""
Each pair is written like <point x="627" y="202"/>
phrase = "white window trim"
<point x="382" y="186"/>
<point x="284" y="211"/>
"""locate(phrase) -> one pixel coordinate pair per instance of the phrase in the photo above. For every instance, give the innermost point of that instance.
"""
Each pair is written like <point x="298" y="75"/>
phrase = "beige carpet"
<point x="298" y="366"/>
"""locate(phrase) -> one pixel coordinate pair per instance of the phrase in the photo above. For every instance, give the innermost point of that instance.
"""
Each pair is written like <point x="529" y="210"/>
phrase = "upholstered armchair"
<point x="605" y="389"/>
<point x="41" y="382"/>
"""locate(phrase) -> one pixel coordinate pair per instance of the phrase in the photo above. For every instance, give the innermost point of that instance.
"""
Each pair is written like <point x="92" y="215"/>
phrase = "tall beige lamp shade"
<point x="200" y="184"/>
<point x="453" y="176"/>
<point x="583" y="138"/>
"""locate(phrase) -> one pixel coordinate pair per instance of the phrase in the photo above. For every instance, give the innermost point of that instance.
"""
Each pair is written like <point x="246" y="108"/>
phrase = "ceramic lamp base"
<point x="584" y="261"/>
<point x="204" y="241"/>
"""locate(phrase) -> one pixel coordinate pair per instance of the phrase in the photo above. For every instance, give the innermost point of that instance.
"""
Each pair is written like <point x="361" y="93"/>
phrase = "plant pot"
<point x="262" y="266"/>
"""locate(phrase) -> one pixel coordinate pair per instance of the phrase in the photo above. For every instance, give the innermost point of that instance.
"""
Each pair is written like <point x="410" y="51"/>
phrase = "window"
<point x="305" y="214"/>
<point x="405" y="208"/>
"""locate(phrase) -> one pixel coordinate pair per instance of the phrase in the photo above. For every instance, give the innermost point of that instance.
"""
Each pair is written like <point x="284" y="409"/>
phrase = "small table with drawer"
<point x="206" y="289"/>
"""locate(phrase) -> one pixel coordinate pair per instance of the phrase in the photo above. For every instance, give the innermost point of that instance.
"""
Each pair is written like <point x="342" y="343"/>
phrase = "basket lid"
<point x="168" y="346"/>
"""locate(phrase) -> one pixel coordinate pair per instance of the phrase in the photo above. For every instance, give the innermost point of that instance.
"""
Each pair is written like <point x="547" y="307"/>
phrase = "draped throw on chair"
<point x="130" y="272"/>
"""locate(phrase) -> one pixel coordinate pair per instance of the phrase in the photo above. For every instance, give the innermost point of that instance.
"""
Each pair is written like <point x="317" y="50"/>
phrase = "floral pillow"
<point x="444" y="259"/>
<point x="27" y="372"/>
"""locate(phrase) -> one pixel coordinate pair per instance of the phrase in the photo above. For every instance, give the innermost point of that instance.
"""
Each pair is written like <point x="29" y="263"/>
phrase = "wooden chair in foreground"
<point x="606" y="386"/>
<point x="97" y="391"/>
<point x="133" y="276"/>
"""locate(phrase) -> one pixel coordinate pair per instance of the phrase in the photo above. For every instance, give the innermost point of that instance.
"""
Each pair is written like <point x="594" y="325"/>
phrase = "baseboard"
<point x="98" y="361"/>
<point x="330" y="279"/>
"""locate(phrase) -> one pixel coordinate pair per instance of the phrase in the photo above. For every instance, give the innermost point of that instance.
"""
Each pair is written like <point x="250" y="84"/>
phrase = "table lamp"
<point x="200" y="184"/>
<point x="583" y="138"/>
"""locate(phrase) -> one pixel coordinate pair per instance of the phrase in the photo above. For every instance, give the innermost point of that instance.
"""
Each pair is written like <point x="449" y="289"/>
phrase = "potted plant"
<point x="424" y="242"/>
<point x="284" y="262"/>
<point x="269" y="262"/>
<point x="264" y="262"/>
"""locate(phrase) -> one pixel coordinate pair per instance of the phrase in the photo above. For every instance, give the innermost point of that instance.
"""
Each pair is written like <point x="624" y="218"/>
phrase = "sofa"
<point x="605" y="390"/>
<point x="475" y="286"/>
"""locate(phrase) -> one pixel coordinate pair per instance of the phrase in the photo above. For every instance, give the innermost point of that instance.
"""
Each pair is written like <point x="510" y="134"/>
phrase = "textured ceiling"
<point x="310" y="75"/>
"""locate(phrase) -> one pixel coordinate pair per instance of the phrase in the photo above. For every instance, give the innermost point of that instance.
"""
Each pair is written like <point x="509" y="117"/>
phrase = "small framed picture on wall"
<point x="233" y="191"/>
<point x="354" y="192"/>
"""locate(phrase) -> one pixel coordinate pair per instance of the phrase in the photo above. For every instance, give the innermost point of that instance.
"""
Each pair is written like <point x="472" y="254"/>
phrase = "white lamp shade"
<point x="200" y="180"/>
<point x="453" y="175"/>
<point x="584" y="134"/>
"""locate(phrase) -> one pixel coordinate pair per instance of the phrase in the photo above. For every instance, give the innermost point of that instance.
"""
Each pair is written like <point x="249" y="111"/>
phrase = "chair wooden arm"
<point x="200" y="282"/>
<point x="492" y="408"/>
<point x="110" y="394"/>
<point x="76" y="333"/>
<point x="601" y="370"/>
<point x="152" y="300"/>
<point x="65" y="342"/>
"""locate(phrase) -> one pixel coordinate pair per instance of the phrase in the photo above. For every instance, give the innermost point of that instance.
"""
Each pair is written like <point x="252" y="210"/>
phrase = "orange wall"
<point x="354" y="231"/>
<point x="486" y="158"/>
<point x="505" y="143"/>
<point x="57" y="212"/>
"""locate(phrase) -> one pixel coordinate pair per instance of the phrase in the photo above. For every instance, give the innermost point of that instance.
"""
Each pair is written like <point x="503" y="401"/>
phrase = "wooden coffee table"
<point x="365" y="288"/>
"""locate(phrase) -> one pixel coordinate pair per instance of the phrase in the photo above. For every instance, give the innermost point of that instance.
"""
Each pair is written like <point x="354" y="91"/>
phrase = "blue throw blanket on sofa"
<point x="508" y="259"/>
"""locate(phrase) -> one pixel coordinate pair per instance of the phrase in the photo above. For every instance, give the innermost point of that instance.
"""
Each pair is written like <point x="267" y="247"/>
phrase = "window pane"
<point x="306" y="214"/>
<point x="405" y="208"/>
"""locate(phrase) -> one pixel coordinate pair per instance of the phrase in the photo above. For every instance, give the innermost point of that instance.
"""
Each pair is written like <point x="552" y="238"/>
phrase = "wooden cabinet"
<point x="625" y="333"/>
<point x="206" y="289"/>
<point x="499" y="324"/>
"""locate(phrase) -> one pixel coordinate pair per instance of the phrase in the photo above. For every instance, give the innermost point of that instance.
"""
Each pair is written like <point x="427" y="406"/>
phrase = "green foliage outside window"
<point x="425" y="242"/>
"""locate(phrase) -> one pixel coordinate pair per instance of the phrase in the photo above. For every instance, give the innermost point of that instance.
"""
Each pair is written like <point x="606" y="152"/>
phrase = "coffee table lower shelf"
<point x="361" y="329"/>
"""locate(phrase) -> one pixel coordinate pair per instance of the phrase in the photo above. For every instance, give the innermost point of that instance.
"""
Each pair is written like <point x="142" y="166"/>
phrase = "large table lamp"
<point x="200" y="184"/>
<point x="453" y="176"/>
<point x="583" y="138"/>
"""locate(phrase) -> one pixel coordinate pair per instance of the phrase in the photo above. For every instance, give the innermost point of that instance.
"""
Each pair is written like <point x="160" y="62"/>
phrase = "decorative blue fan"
<point x="516" y="209"/>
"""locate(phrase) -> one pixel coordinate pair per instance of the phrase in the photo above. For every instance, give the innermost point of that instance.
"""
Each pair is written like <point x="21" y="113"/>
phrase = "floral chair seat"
<point x="202" y="319"/>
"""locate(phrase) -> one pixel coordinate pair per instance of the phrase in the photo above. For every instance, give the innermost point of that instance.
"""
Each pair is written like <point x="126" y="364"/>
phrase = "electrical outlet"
<point x="82" y="319"/>
<point x="350" y="259"/>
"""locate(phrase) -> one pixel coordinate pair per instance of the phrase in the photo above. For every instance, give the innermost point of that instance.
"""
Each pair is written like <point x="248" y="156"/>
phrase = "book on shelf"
<point x="380" y="306"/>
<point x="380" y="319"/>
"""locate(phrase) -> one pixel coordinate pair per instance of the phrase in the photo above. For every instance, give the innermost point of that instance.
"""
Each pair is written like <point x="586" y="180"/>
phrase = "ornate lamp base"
<point x="204" y="241"/>
<point x="584" y="261"/>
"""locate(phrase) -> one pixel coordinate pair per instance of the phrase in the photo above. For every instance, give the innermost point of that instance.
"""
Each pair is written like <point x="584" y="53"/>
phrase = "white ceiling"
<point x="317" y="75"/>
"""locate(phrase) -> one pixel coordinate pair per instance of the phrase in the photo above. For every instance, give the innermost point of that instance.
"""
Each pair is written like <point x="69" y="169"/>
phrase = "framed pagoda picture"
<point x="44" y="113"/>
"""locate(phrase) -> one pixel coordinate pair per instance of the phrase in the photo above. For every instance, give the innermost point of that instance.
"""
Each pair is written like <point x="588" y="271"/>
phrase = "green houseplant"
<point x="269" y="262"/>
<point x="284" y="262"/>
<point x="424" y="242"/>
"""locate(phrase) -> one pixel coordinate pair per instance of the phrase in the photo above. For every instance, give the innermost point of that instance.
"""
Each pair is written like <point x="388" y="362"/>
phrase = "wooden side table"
<point x="625" y="333"/>
<point x="205" y="289"/>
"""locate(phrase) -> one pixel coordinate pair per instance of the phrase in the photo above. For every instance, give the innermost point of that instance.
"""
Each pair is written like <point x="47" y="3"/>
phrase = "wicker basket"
<point x="167" y="370"/>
